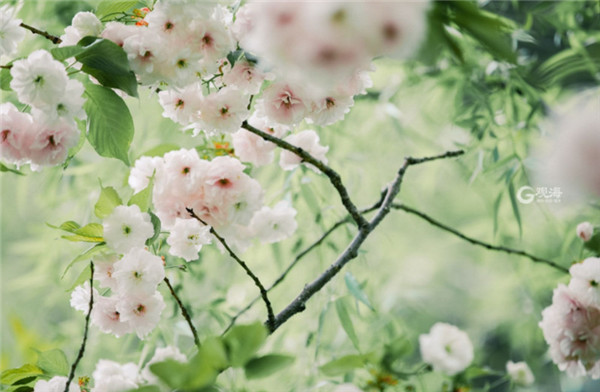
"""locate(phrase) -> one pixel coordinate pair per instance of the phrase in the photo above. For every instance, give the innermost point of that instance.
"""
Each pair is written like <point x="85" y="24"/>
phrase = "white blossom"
<point x="142" y="171"/>
<point x="107" y="318"/>
<point x="274" y="224"/>
<point x="585" y="231"/>
<point x="520" y="373"/>
<point x="585" y="281"/>
<point x="38" y="80"/>
<point x="80" y="297"/>
<point x="187" y="237"/>
<point x="307" y="140"/>
<point x="10" y="31"/>
<point x="446" y="348"/>
<point x="110" y="376"/>
<point x="126" y="228"/>
<point x="55" y="384"/>
<point x="223" y="111"/>
<point x="141" y="312"/>
<point x="138" y="272"/>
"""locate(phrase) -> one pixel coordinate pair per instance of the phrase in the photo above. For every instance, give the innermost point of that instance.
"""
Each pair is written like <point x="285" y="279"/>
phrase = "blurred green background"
<point x="413" y="274"/>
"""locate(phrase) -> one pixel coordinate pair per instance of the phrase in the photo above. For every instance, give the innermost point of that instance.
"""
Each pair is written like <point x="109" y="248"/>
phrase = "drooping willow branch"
<point x="477" y="242"/>
<point x="184" y="312"/>
<point x="299" y="303"/>
<point x="333" y="176"/>
<point x="85" y="330"/>
<point x="263" y="292"/>
<point x="45" y="34"/>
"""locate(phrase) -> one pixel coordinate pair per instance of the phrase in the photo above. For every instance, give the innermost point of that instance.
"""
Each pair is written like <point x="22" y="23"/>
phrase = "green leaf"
<point x="108" y="7"/>
<point x="356" y="291"/>
<point x="87" y="255"/>
<point x="91" y="232"/>
<point x="11" y="376"/>
<point x="213" y="351"/>
<point x="267" y="365"/>
<point x="243" y="341"/>
<point x="146" y="388"/>
<point x="156" y="226"/>
<point x="171" y="372"/>
<point x="4" y="168"/>
<point x="346" y="321"/>
<point x="343" y="365"/>
<point x="53" y="362"/>
<point x="515" y="206"/>
<point x="109" y="122"/>
<point x="83" y="276"/>
<point x="491" y="30"/>
<point x="66" y="52"/>
<point x="143" y="198"/>
<point x="68" y="226"/>
<point x="108" y="200"/>
<point x="107" y="62"/>
<point x="5" y="79"/>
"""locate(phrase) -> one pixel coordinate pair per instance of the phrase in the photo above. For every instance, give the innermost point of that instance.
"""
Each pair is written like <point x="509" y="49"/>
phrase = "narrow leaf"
<point x="356" y="291"/>
<point x="346" y="321"/>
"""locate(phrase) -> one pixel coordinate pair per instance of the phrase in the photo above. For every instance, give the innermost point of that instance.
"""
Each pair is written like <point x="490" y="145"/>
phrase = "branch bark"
<point x="333" y="176"/>
<point x="184" y="312"/>
<point x="263" y="292"/>
<point x="477" y="242"/>
<point x="299" y="303"/>
<point x="45" y="34"/>
<point x="85" y="330"/>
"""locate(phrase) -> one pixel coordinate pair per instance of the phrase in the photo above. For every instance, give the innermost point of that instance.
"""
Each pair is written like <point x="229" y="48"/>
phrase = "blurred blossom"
<point x="585" y="231"/>
<point x="520" y="374"/>
<point x="448" y="349"/>
<point x="572" y="157"/>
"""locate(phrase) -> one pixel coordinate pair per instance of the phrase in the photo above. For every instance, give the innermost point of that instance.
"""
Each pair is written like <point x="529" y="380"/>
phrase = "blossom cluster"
<point x="131" y="273"/>
<point x="218" y="192"/>
<point x="110" y="376"/>
<point x="571" y="325"/>
<point x="44" y="136"/>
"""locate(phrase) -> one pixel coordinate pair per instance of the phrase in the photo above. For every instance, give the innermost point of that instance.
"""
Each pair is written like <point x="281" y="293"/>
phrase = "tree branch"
<point x="478" y="242"/>
<point x="299" y="303"/>
<point x="333" y="176"/>
<point x="85" y="330"/>
<point x="53" y="38"/>
<point x="300" y="255"/>
<point x="184" y="312"/>
<point x="263" y="292"/>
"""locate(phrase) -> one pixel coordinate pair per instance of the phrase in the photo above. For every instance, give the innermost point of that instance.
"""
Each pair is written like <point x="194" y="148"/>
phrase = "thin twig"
<point x="333" y="176"/>
<point x="287" y="270"/>
<point x="299" y="303"/>
<point x="184" y="312"/>
<point x="263" y="292"/>
<point x="8" y="66"/>
<point x="299" y="256"/>
<point x="53" y="38"/>
<point x="478" y="242"/>
<point x="85" y="330"/>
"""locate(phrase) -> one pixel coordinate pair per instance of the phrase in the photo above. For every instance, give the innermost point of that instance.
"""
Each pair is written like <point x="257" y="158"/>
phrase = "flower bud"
<point x="585" y="230"/>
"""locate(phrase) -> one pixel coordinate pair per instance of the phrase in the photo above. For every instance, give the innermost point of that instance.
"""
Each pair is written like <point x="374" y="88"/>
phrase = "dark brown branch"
<point x="53" y="38"/>
<point x="263" y="292"/>
<point x="9" y="66"/>
<point x="333" y="176"/>
<point x="299" y="303"/>
<point x="184" y="312"/>
<point x="288" y="269"/>
<point x="478" y="242"/>
<point x="85" y="330"/>
<point x="300" y="255"/>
